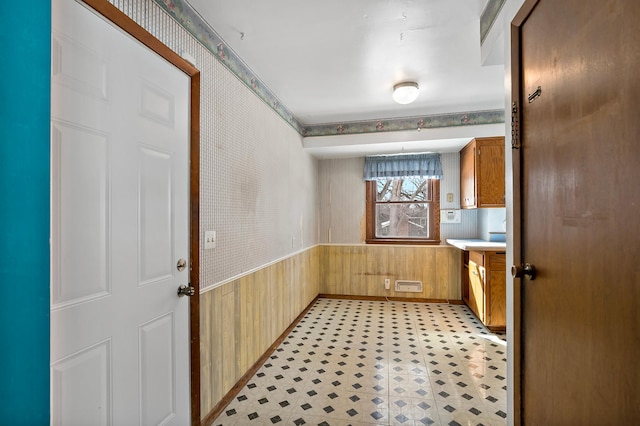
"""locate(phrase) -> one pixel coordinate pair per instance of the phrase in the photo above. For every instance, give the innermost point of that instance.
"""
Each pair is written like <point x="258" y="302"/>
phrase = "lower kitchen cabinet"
<point x="484" y="287"/>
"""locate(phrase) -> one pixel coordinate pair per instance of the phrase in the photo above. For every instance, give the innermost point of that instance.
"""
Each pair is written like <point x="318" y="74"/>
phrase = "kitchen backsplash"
<point x="491" y="220"/>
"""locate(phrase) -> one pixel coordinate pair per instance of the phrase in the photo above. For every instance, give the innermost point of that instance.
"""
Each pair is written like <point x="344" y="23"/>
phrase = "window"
<point x="403" y="198"/>
<point x="403" y="210"/>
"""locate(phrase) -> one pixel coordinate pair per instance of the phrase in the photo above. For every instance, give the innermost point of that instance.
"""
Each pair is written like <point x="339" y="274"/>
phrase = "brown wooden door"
<point x="580" y="210"/>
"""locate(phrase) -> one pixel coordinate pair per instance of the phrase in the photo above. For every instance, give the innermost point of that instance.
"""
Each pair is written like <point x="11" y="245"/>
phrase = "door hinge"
<point x="515" y="126"/>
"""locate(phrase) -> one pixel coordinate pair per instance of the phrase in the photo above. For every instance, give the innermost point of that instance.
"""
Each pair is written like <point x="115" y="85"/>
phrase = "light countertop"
<point x="476" y="244"/>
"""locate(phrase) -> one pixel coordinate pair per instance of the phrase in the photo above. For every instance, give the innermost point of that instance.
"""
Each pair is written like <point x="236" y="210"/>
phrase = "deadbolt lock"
<point x="181" y="265"/>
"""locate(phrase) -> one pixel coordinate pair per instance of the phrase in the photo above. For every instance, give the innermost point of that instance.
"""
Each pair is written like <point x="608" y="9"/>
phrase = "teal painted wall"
<point x="24" y="211"/>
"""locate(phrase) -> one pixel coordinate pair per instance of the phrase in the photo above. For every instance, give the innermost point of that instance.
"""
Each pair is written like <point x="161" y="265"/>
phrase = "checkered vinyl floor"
<point x="353" y="362"/>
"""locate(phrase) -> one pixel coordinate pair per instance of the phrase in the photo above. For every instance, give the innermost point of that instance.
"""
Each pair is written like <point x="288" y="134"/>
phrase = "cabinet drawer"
<point x="477" y="257"/>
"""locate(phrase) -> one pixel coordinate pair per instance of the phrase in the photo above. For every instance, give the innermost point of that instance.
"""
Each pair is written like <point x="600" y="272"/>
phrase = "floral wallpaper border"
<point x="488" y="17"/>
<point x="186" y="16"/>
<point x="407" y="123"/>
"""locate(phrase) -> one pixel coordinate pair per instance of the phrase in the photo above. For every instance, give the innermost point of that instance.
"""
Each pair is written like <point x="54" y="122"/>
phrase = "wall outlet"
<point x="387" y="284"/>
<point x="209" y="240"/>
<point x="449" y="197"/>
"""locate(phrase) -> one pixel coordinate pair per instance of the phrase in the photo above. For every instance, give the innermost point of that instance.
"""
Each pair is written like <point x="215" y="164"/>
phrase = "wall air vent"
<point x="409" y="286"/>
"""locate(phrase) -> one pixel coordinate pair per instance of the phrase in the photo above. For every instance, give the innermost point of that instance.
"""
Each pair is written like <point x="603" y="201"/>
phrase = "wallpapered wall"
<point x="258" y="189"/>
<point x="342" y="200"/>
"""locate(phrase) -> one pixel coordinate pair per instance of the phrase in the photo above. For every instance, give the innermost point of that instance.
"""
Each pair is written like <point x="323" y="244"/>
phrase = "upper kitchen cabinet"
<point x="482" y="173"/>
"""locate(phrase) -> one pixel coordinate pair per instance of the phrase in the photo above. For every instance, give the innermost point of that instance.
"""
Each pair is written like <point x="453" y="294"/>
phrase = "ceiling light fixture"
<point x="405" y="93"/>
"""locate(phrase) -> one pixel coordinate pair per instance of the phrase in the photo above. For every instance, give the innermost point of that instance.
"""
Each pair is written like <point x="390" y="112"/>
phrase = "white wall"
<point x="507" y="14"/>
<point x="342" y="200"/>
<point x="258" y="188"/>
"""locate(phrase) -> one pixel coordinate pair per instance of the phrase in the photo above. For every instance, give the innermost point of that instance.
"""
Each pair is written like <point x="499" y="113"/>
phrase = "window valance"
<point x="404" y="165"/>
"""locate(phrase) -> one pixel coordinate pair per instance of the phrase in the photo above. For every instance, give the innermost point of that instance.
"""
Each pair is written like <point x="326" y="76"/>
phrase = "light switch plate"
<point x="209" y="240"/>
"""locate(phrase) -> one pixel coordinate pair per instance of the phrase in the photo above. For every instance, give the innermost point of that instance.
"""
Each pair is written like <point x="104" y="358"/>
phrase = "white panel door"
<point x="119" y="173"/>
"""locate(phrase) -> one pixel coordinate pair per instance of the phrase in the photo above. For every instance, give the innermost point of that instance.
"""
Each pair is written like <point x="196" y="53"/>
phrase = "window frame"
<point x="371" y="196"/>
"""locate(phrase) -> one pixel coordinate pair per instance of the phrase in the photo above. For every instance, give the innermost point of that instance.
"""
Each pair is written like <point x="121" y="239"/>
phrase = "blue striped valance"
<point x="405" y="165"/>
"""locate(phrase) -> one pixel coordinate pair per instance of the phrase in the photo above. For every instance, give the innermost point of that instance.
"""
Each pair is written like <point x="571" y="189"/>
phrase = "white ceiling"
<point x="334" y="61"/>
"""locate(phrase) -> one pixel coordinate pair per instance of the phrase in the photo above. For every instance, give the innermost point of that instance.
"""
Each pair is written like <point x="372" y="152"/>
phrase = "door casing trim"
<point x="516" y="159"/>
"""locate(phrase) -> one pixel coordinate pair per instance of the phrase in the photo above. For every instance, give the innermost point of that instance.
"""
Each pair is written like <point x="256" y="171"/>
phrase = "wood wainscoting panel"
<point x="360" y="270"/>
<point x="241" y="319"/>
<point x="448" y="267"/>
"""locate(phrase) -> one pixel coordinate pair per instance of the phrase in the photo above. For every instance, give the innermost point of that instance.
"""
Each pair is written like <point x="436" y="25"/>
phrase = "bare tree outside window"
<point x="403" y="209"/>
<point x="400" y="208"/>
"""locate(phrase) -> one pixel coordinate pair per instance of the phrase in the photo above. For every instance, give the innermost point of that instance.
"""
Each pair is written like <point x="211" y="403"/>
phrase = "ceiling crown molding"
<point x="407" y="123"/>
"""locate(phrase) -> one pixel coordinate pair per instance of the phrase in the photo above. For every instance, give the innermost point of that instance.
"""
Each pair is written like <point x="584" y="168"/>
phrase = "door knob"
<point x="185" y="290"/>
<point x="527" y="270"/>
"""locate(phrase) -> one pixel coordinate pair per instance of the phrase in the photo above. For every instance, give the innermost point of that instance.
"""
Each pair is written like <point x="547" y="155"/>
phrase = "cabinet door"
<point x="476" y="289"/>
<point x="468" y="176"/>
<point x="496" y="291"/>
<point x="490" y="173"/>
